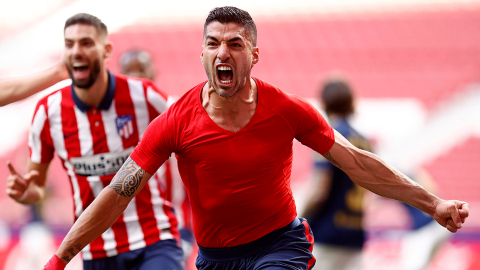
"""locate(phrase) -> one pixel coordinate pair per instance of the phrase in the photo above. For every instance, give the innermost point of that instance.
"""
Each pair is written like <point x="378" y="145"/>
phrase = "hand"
<point x="61" y="70"/>
<point x="17" y="185"/>
<point x="451" y="214"/>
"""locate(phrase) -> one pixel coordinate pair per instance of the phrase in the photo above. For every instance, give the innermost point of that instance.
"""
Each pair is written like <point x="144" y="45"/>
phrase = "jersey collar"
<point x="106" y="101"/>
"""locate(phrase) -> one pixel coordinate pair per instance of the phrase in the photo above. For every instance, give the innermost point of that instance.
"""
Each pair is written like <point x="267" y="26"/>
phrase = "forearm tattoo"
<point x="329" y="157"/>
<point x="72" y="252"/>
<point x="128" y="179"/>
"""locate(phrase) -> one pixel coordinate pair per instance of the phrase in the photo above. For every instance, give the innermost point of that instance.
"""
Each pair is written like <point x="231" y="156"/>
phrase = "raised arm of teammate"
<point x="103" y="211"/>
<point x="370" y="172"/>
<point x="15" y="89"/>
<point x="29" y="188"/>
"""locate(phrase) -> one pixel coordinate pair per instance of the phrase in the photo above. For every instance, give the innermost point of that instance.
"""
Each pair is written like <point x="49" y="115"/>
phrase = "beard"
<point x="92" y="78"/>
<point x="240" y="82"/>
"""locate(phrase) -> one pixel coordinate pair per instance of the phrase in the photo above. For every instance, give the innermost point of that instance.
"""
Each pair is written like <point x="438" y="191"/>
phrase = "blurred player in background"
<point x="233" y="137"/>
<point x="138" y="63"/>
<point x="425" y="237"/>
<point x="15" y="89"/>
<point x="335" y="207"/>
<point x="93" y="125"/>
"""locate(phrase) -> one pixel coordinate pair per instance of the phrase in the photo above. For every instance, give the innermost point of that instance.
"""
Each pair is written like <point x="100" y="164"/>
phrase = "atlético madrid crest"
<point x="125" y="126"/>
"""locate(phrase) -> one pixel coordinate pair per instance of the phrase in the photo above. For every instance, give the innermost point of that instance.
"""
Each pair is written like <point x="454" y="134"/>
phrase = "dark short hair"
<point x="232" y="14"/>
<point x="84" y="18"/>
<point x="337" y="97"/>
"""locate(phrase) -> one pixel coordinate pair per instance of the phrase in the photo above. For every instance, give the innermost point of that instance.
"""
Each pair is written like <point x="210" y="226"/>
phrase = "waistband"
<point x="229" y="253"/>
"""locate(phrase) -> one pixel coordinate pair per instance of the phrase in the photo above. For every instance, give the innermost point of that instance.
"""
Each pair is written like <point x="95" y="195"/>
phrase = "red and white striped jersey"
<point x="93" y="144"/>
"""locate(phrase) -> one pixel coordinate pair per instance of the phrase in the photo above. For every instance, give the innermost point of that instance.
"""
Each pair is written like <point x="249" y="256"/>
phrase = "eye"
<point x="68" y="44"/>
<point x="237" y="45"/>
<point x="211" y="43"/>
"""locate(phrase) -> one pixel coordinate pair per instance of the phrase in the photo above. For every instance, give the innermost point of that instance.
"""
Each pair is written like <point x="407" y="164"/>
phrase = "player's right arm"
<point x="104" y="210"/>
<point x="15" y="89"/>
<point x="30" y="187"/>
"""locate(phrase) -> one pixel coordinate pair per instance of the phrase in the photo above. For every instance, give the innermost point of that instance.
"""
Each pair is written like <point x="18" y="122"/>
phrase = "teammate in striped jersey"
<point x="233" y="137"/>
<point x="93" y="126"/>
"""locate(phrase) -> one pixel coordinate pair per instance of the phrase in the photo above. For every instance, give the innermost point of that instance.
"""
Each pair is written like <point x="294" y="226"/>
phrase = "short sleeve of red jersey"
<point x="39" y="139"/>
<point x="157" y="144"/>
<point x="310" y="128"/>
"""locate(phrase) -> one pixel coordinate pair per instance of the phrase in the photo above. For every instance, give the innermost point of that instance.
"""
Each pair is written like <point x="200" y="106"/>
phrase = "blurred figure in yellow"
<point x="335" y="208"/>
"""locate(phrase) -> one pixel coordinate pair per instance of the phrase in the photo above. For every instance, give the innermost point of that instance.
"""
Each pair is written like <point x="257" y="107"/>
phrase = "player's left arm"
<point x="369" y="171"/>
<point x="104" y="210"/>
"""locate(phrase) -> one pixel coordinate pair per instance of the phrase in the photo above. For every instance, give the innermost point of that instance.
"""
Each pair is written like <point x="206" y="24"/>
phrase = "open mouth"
<point x="80" y="70"/>
<point x="225" y="74"/>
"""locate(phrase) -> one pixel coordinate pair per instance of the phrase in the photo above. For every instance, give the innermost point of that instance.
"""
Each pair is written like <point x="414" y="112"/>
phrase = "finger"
<point x="455" y="215"/>
<point x="14" y="194"/>
<point x="10" y="168"/>
<point x="16" y="182"/>
<point x="451" y="223"/>
<point x="464" y="210"/>
<point x="450" y="228"/>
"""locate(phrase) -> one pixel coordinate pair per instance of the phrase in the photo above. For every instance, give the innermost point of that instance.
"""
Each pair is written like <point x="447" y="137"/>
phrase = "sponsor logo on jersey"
<point x="101" y="164"/>
<point x="124" y="126"/>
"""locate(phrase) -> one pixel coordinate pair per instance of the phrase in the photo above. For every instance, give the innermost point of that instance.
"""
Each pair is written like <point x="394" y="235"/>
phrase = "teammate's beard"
<point x="92" y="78"/>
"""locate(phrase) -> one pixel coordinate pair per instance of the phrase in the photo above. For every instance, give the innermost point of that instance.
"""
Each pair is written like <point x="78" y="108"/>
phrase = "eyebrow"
<point x="82" y="39"/>
<point x="230" y="40"/>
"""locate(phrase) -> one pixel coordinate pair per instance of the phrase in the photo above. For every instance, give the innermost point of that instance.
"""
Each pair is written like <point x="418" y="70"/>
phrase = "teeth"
<point x="78" y="65"/>
<point x="224" y="68"/>
<point x="229" y="81"/>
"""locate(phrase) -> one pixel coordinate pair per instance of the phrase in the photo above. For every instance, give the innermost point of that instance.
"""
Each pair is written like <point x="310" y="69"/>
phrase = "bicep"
<point x="129" y="180"/>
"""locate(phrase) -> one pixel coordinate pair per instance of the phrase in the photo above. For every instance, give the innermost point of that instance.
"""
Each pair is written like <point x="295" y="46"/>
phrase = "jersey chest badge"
<point x="125" y="126"/>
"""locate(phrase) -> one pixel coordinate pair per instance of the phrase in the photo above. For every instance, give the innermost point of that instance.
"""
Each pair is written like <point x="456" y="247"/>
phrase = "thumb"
<point x="31" y="175"/>
<point x="10" y="168"/>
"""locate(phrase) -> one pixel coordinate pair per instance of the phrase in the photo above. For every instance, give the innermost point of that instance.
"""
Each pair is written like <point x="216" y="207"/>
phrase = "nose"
<point x="223" y="52"/>
<point x="76" y="50"/>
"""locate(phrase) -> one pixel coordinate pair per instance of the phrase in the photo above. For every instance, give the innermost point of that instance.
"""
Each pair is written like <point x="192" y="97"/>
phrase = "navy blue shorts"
<point x="163" y="255"/>
<point x="289" y="247"/>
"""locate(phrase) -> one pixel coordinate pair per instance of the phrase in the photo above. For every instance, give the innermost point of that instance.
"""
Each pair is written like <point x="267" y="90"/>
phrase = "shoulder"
<point x="186" y="109"/>
<point x="279" y="101"/>
<point x="58" y="95"/>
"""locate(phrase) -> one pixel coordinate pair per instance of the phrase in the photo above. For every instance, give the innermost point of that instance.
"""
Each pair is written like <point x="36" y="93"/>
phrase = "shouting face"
<point x="85" y="52"/>
<point x="228" y="57"/>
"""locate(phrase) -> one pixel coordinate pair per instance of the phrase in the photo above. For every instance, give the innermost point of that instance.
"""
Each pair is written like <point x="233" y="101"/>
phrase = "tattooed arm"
<point x="372" y="173"/>
<point x="104" y="210"/>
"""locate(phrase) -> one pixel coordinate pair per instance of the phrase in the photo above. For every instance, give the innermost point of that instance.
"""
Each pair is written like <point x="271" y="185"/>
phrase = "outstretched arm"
<point x="372" y="173"/>
<point x="12" y="90"/>
<point x="104" y="210"/>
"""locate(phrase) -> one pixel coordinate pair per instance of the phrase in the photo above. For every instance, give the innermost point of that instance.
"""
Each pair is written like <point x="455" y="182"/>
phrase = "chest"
<point x="264" y="141"/>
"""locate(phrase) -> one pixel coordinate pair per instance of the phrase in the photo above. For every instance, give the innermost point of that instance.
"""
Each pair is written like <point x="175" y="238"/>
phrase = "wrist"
<point x="435" y="203"/>
<point x="54" y="264"/>
<point x="23" y="197"/>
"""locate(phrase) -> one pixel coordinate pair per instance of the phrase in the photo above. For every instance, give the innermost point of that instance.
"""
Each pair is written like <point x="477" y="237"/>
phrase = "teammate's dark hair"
<point x="232" y="14"/>
<point x="337" y="97"/>
<point x="84" y="18"/>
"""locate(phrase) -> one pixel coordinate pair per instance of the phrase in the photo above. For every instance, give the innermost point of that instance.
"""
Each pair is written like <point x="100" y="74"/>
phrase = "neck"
<point x="94" y="95"/>
<point x="247" y="95"/>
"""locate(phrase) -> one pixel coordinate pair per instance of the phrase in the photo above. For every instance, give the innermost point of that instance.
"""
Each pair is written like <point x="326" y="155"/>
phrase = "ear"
<point x="108" y="49"/>
<point x="201" y="55"/>
<point x="256" y="56"/>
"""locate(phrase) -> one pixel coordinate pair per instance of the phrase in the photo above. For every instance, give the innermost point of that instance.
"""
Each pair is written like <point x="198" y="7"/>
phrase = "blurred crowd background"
<point x="414" y="66"/>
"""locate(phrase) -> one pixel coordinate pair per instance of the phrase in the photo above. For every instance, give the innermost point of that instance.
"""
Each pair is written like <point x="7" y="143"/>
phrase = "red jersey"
<point x="93" y="144"/>
<point x="238" y="182"/>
